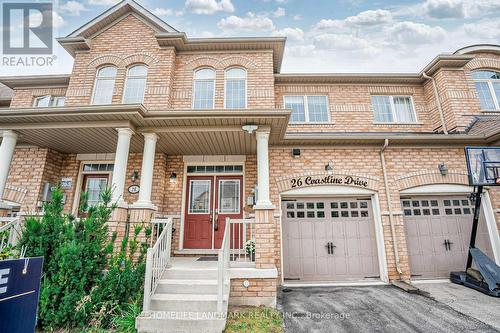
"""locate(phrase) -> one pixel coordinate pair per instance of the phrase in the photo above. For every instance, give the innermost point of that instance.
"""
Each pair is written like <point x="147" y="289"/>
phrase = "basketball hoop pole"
<point x="475" y="222"/>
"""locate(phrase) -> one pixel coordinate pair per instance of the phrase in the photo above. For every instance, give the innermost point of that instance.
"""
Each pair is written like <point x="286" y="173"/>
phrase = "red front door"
<point x="209" y="201"/>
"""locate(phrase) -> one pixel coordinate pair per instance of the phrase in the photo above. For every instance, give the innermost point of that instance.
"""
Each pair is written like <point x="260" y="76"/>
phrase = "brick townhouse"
<point x="333" y="178"/>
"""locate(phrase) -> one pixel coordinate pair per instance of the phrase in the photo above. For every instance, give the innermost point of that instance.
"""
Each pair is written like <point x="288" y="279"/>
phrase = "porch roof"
<point x="92" y="129"/>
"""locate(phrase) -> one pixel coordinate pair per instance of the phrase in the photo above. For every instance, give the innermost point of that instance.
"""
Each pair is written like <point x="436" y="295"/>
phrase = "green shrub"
<point x="84" y="282"/>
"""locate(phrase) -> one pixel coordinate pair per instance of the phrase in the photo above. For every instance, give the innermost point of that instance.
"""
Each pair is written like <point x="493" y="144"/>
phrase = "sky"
<point x="322" y="36"/>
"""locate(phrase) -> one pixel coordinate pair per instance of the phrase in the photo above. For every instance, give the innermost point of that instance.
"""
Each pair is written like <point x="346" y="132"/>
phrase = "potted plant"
<point x="250" y="248"/>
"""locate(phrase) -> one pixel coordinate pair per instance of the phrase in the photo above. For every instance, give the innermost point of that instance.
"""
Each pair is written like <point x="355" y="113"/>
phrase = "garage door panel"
<point x="347" y="223"/>
<point x="451" y="221"/>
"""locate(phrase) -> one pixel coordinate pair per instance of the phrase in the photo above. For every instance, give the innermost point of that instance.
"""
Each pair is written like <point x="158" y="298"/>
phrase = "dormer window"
<point x="488" y="89"/>
<point x="204" y="89"/>
<point x="235" y="88"/>
<point x="135" y="84"/>
<point x="104" y="85"/>
<point x="48" y="101"/>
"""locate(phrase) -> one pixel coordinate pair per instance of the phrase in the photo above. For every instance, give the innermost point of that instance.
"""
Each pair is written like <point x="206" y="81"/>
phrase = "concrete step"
<point x="193" y="322"/>
<point x="178" y="273"/>
<point x="186" y="302"/>
<point x="188" y="286"/>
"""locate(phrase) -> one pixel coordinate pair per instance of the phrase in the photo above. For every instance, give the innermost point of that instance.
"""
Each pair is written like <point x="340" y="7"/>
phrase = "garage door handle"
<point x="328" y="248"/>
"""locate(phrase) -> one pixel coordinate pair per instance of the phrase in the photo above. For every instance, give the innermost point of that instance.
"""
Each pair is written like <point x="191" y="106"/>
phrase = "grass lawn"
<point x="255" y="320"/>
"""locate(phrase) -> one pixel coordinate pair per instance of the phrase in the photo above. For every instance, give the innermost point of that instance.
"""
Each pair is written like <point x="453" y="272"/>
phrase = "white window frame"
<point x="496" y="102"/>
<point x="306" y="109"/>
<point x="221" y="182"/>
<point x="128" y="76"/>
<point x="194" y="85"/>
<point x="393" y="110"/>
<point x="246" y="86"/>
<point x="96" y="78"/>
<point x="52" y="101"/>
<point x="191" y="181"/>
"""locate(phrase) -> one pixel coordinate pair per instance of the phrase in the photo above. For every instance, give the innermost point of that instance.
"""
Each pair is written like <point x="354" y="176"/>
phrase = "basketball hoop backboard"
<point x="483" y="164"/>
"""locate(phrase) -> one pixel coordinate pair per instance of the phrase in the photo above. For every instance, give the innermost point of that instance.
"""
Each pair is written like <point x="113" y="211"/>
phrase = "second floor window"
<point x="204" y="89"/>
<point x="393" y="109"/>
<point x="135" y="84"/>
<point x="49" y="101"/>
<point x="488" y="89"/>
<point x="236" y="89"/>
<point x="305" y="109"/>
<point x="104" y="85"/>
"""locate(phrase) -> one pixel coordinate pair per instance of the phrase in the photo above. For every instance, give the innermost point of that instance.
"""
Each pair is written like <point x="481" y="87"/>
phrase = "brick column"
<point x="264" y="238"/>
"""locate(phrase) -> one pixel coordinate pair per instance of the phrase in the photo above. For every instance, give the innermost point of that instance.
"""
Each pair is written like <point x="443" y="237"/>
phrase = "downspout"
<point x="438" y="101"/>
<point x="389" y="206"/>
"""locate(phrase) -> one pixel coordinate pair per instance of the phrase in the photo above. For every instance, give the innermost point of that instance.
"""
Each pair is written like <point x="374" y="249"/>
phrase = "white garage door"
<point x="310" y="224"/>
<point x="438" y="233"/>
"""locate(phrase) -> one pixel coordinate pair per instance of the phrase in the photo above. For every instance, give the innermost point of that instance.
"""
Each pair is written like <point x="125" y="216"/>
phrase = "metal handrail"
<point x="13" y="226"/>
<point x="157" y="260"/>
<point x="222" y="265"/>
<point x="242" y="235"/>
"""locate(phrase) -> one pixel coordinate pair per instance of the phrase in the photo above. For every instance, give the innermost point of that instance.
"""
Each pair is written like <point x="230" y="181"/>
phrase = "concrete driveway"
<point x="371" y="309"/>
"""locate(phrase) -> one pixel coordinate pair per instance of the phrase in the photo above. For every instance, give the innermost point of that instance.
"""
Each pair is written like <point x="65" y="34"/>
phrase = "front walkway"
<point x="370" y="309"/>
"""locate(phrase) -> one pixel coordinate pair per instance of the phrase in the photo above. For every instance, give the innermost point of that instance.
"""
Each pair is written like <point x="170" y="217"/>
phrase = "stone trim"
<point x="485" y="63"/>
<point x="222" y="64"/>
<point x="14" y="194"/>
<point x="429" y="177"/>
<point x="283" y="183"/>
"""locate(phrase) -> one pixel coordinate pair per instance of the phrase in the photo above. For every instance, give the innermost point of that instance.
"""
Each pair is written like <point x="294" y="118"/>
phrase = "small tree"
<point x="83" y="281"/>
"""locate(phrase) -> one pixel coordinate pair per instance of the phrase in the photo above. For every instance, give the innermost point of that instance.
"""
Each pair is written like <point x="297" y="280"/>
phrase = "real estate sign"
<point x="19" y="292"/>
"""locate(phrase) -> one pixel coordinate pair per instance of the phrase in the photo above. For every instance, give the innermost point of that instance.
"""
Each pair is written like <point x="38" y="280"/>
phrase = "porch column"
<point x="9" y="140"/>
<point x="148" y="160"/>
<point x="263" y="200"/>
<point x="120" y="168"/>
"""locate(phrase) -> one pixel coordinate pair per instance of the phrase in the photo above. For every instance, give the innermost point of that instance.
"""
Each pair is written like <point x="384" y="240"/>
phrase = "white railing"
<point x="222" y="265"/>
<point x="242" y="243"/>
<point x="12" y="228"/>
<point x="158" y="257"/>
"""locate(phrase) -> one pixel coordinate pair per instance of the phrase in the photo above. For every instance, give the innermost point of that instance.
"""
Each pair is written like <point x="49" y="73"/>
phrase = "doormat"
<point x="210" y="258"/>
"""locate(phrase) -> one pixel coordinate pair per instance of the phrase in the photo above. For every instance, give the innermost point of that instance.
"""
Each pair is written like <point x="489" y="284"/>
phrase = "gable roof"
<point x="116" y="12"/>
<point x="77" y="40"/>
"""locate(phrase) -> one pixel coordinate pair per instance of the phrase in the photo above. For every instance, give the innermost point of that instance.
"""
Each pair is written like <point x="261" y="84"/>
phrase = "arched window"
<point x="236" y="89"/>
<point x="488" y="89"/>
<point x="104" y="85"/>
<point x="204" y="89"/>
<point x="135" y="84"/>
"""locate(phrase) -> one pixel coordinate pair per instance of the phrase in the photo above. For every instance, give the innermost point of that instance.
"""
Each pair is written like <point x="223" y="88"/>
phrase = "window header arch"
<point x="236" y="73"/>
<point x="137" y="70"/>
<point x="204" y="74"/>
<point x="486" y="75"/>
<point x="107" y="71"/>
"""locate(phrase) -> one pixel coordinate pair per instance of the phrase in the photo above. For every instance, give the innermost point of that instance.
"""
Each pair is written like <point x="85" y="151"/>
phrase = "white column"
<point x="9" y="140"/>
<point x="120" y="168"/>
<point x="263" y="200"/>
<point x="148" y="160"/>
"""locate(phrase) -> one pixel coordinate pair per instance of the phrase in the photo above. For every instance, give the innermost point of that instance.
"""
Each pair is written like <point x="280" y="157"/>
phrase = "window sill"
<point x="311" y="123"/>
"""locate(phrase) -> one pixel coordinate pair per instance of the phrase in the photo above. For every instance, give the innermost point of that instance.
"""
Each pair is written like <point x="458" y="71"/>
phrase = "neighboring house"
<point x="340" y="172"/>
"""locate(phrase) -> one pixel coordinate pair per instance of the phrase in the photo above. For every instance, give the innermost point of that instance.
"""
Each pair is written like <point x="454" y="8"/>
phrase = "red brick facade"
<point x="169" y="88"/>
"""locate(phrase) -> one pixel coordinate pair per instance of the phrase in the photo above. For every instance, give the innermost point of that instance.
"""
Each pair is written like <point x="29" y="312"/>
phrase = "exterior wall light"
<point x="134" y="176"/>
<point x="329" y="167"/>
<point x="173" y="178"/>
<point x="443" y="169"/>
